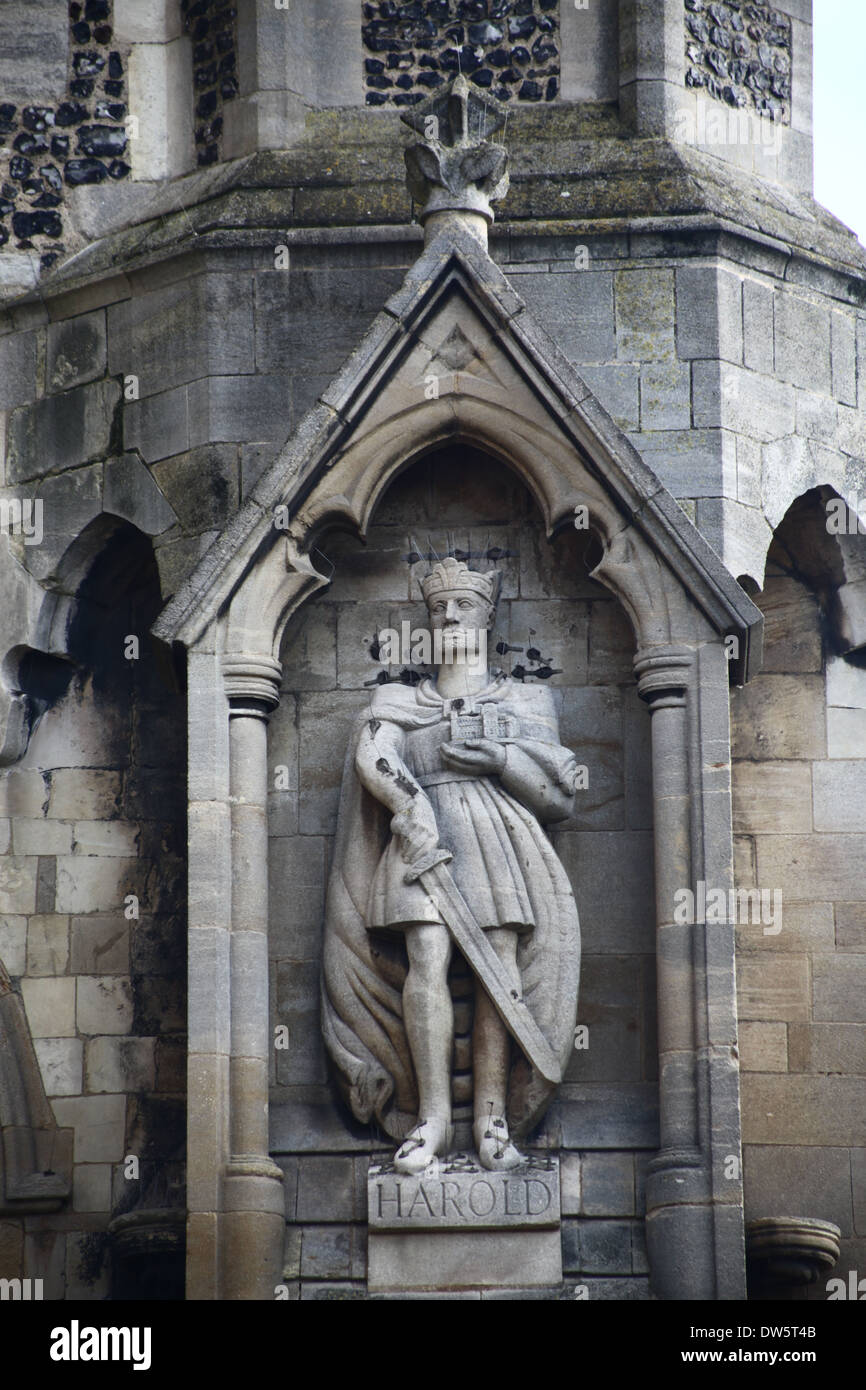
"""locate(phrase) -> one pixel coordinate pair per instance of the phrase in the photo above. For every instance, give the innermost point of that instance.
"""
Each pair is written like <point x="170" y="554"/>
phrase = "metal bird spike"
<point x="457" y="107"/>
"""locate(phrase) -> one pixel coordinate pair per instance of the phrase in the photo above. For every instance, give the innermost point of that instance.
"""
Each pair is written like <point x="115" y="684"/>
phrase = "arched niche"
<point x="99" y="839"/>
<point x="798" y="740"/>
<point x="555" y="625"/>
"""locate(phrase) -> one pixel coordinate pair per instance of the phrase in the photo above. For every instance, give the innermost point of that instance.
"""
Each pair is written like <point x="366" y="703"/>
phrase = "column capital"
<point x="663" y="675"/>
<point x="252" y="683"/>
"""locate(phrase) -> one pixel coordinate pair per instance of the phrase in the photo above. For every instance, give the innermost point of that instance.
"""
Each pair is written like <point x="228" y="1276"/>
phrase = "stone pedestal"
<point x="458" y="1226"/>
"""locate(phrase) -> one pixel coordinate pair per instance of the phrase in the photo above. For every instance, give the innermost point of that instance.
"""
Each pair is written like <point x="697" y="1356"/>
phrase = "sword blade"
<point x="482" y="958"/>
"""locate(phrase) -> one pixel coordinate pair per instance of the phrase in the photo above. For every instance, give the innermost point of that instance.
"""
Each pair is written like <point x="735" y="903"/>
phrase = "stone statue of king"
<point x="446" y="791"/>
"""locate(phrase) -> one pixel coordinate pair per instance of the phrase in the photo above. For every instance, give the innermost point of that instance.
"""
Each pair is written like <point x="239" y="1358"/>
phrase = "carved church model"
<point x="571" y="340"/>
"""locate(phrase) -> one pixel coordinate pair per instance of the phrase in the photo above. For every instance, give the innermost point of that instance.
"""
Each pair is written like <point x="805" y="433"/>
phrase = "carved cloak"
<point x="363" y="973"/>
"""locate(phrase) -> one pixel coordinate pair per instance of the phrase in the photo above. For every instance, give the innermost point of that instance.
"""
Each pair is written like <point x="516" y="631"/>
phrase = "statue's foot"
<point x="495" y="1149"/>
<point x="423" y="1143"/>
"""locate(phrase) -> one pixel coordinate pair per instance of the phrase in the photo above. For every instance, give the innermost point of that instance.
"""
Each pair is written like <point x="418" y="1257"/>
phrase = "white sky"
<point x="840" y="109"/>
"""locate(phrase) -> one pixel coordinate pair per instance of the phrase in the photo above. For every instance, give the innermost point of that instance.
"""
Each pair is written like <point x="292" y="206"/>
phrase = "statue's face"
<point x="463" y="617"/>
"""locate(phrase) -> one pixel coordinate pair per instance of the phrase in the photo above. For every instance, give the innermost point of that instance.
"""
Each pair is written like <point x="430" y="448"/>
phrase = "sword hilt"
<point x="428" y="861"/>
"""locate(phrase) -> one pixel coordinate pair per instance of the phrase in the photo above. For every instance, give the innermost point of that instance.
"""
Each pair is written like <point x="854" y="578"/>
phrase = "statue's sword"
<point x="482" y="958"/>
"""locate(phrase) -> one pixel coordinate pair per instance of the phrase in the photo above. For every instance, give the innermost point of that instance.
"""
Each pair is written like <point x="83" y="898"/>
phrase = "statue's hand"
<point x="483" y="755"/>
<point x="417" y="828"/>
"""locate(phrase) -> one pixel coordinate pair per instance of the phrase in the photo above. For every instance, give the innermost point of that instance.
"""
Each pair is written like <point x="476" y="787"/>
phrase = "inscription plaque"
<point x="458" y="1194"/>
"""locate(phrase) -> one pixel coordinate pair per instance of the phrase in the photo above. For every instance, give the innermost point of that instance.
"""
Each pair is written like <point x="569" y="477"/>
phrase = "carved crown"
<point x="449" y="574"/>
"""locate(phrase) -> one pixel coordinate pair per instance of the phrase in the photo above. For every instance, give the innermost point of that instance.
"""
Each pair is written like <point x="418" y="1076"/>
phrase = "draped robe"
<point x="504" y="864"/>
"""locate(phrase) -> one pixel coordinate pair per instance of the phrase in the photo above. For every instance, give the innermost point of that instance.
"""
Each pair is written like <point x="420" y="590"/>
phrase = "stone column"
<point x="253" y="1210"/>
<point x="679" y="1217"/>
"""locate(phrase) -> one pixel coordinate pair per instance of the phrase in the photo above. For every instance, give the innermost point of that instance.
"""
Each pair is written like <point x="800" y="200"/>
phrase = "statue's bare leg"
<point x="429" y="1018"/>
<point x="491" y="1055"/>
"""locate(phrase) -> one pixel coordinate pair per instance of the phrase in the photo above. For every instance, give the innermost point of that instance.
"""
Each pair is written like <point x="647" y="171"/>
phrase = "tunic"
<point x="503" y="862"/>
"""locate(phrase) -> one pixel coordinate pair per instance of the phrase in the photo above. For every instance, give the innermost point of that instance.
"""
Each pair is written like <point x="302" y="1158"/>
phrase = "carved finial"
<point x="455" y="170"/>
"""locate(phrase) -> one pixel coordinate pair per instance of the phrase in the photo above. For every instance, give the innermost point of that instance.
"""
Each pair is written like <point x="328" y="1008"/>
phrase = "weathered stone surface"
<point x="617" y="388"/>
<point x="131" y="492"/>
<point x="99" y="1124"/>
<point x="93" y="884"/>
<point x="19" y="361"/>
<point x="342" y="303"/>
<point x="34" y="52"/>
<point x="183" y="331"/>
<point x="62" y="431"/>
<point x="99" y="945"/>
<point x="610" y="1009"/>
<point x="47" y="945"/>
<point x="792" y="631"/>
<point x="76" y="351"/>
<point x="104" y="1004"/>
<point x="843" y="338"/>
<point x="645" y="315"/>
<point x="779" y="717"/>
<point x="325" y="1189"/>
<point x="157" y="426"/>
<point x="239" y="408"/>
<point x="780" y="1179"/>
<point x="452" y="1259"/>
<point x="830" y="1048"/>
<point x="839" y="790"/>
<point x="812" y="867"/>
<point x="608" y="1184"/>
<point x="297" y="875"/>
<point x="70" y="502"/>
<point x="773" y="987"/>
<point x="605" y="1247"/>
<point x="665" y="396"/>
<point x="772" y="796"/>
<point x="50" y="1005"/>
<point x="850" y="927"/>
<point x="119" y="1064"/>
<point x="730" y="397"/>
<point x="815" y="1111"/>
<point x="805" y="926"/>
<point x="763" y="1046"/>
<point x="839" y="986"/>
<point x="13" y="943"/>
<point x="91" y="1187"/>
<point x="60" y="1061"/>
<point x="109" y="839"/>
<point x="612" y="922"/>
<point x="846" y="732"/>
<point x="802" y="339"/>
<point x="758" y="301"/>
<point x="84" y="794"/>
<point x="576" y="308"/>
<point x="623" y="1116"/>
<point x="41" y="837"/>
<point x="709" y="313"/>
